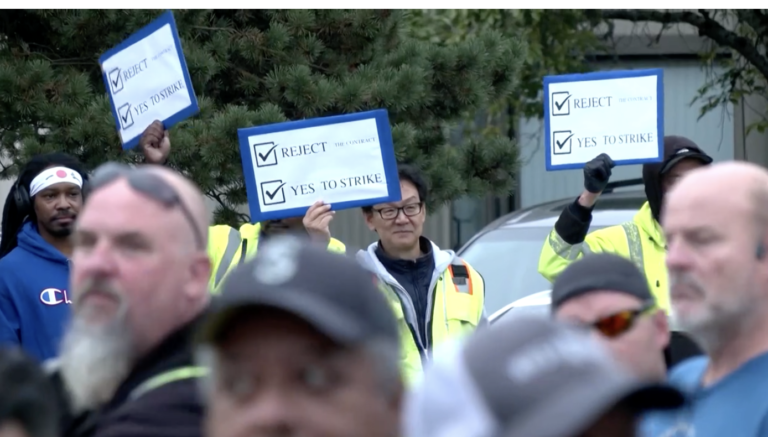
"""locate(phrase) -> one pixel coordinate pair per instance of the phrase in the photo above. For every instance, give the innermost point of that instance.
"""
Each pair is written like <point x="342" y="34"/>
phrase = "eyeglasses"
<point x="148" y="183"/>
<point x="409" y="211"/>
<point x="617" y="324"/>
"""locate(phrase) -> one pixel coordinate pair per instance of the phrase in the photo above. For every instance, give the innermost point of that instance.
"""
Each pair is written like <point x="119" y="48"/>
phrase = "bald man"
<point x="716" y="223"/>
<point x="139" y="282"/>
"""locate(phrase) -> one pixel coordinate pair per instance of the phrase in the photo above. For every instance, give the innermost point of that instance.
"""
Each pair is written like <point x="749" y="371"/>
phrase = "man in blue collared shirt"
<point x="716" y="223"/>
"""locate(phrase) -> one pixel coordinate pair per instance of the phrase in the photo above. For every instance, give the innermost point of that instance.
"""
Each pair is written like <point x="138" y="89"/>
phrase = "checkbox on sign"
<point x="561" y="142"/>
<point x="266" y="154"/>
<point x="272" y="192"/>
<point x="125" y="116"/>
<point x="115" y="80"/>
<point x="561" y="103"/>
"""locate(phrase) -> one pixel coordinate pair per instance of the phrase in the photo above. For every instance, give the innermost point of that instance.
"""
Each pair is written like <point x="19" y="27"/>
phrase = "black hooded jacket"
<point x="652" y="172"/>
<point x="573" y="223"/>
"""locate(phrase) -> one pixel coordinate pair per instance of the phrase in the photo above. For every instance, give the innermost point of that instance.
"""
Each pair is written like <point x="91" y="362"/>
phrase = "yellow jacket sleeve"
<point x="557" y="254"/>
<point x="219" y="236"/>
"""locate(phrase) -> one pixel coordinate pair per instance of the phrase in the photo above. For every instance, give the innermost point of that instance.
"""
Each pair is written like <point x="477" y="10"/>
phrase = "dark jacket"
<point x="170" y="410"/>
<point x="415" y="276"/>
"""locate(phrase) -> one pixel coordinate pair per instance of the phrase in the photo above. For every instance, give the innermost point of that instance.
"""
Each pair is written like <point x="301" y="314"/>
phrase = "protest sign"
<point x="620" y="113"/>
<point x="346" y="161"/>
<point x="147" y="79"/>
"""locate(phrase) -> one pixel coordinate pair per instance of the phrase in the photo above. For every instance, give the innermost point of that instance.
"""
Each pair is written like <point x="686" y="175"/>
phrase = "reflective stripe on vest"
<point x="635" y="244"/>
<point x="233" y="243"/>
<point x="168" y="377"/>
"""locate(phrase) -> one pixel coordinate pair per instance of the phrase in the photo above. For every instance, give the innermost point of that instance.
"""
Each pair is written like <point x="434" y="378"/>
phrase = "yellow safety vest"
<point x="228" y="247"/>
<point x="457" y="308"/>
<point x="168" y="377"/>
<point x="641" y="241"/>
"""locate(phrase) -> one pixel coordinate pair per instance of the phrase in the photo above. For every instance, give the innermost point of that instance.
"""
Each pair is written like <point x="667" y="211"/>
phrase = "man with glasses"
<point x="139" y="282"/>
<point x="609" y="295"/>
<point x="434" y="293"/>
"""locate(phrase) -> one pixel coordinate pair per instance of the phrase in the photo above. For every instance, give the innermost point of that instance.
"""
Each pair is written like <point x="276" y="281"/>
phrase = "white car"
<point x="537" y="303"/>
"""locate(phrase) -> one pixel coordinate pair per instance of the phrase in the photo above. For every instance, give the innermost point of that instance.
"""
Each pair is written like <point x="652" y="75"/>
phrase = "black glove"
<point x="597" y="172"/>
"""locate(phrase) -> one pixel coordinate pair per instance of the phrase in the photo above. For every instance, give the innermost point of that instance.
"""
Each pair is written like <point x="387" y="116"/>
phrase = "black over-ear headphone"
<point x="21" y="197"/>
<point x="24" y="203"/>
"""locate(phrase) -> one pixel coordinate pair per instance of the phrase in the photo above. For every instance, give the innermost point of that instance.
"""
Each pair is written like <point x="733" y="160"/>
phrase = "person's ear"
<point x="368" y="217"/>
<point x="661" y="323"/>
<point x="199" y="275"/>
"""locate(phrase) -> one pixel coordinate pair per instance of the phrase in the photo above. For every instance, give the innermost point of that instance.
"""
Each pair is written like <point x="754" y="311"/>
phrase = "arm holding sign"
<point x="155" y="144"/>
<point x="228" y="247"/>
<point x="568" y="241"/>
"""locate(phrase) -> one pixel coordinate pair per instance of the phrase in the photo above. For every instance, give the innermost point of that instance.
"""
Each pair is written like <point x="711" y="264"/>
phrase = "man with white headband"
<point x="38" y="216"/>
<point x="35" y="249"/>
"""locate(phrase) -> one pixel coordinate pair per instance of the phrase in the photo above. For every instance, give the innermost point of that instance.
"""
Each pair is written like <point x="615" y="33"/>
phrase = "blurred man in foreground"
<point x="530" y="377"/>
<point x="139" y="281"/>
<point x="27" y="399"/>
<point x="608" y="294"/>
<point x="229" y="247"/>
<point x="716" y="222"/>
<point x="301" y="343"/>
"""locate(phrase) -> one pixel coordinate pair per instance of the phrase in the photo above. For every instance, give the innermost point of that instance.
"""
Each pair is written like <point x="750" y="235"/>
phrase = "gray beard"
<point x="95" y="360"/>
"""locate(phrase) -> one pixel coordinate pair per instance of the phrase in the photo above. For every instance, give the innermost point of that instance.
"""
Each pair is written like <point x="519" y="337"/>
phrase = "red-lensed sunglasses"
<point x="616" y="324"/>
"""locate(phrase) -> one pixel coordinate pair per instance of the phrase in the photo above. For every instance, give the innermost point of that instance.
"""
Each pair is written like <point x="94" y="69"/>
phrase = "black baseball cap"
<point x="600" y="271"/>
<point x="330" y="291"/>
<point x="683" y="149"/>
<point x="527" y="376"/>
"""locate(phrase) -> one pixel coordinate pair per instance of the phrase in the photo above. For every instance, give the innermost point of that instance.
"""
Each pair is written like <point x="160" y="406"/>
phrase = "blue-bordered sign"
<point x="346" y="161"/>
<point x="147" y="79"/>
<point x="620" y="113"/>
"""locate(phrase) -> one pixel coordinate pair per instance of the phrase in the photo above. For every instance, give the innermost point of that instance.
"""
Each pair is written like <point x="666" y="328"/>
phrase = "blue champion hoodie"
<point x="34" y="301"/>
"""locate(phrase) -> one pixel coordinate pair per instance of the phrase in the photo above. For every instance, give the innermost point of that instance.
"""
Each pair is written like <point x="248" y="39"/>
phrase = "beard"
<point x="712" y="321"/>
<point x="96" y="358"/>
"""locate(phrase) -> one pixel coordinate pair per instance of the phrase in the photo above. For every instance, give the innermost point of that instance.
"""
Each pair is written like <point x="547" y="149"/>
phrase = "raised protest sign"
<point x="346" y="161"/>
<point x="620" y="113"/>
<point x="147" y="79"/>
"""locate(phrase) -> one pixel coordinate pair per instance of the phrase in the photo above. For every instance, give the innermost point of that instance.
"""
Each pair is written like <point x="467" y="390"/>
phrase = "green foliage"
<point x="557" y="42"/>
<point x="254" y="67"/>
<point x="562" y="41"/>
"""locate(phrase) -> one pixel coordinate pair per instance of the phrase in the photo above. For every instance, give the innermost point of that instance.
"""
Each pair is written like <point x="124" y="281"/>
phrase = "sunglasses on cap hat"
<point x="148" y="183"/>
<point x="616" y="324"/>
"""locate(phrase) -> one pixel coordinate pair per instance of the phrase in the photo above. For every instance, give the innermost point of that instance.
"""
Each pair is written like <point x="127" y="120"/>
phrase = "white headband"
<point x="53" y="176"/>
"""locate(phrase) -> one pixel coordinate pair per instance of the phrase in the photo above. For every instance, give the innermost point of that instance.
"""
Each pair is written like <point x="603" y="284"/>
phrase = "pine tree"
<point x="253" y="67"/>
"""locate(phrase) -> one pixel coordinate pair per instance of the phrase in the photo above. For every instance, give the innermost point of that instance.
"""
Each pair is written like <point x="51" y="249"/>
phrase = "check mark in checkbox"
<point x="272" y="192"/>
<point x="125" y="116"/>
<point x="561" y="103"/>
<point x="561" y="142"/>
<point x="115" y="80"/>
<point x="266" y="154"/>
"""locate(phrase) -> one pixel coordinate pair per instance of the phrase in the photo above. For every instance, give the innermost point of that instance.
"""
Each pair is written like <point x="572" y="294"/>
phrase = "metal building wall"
<point x="682" y="79"/>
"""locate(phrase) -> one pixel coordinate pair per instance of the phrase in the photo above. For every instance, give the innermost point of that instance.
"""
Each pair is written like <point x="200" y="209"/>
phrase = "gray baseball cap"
<point x="525" y="377"/>
<point x="330" y="291"/>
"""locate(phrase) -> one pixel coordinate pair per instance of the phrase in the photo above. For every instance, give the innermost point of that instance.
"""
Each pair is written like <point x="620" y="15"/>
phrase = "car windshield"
<point x="508" y="260"/>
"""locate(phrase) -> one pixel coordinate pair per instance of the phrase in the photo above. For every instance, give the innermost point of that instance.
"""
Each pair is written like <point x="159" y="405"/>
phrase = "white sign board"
<point x="620" y="113"/>
<point x="147" y="79"/>
<point x="347" y="161"/>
